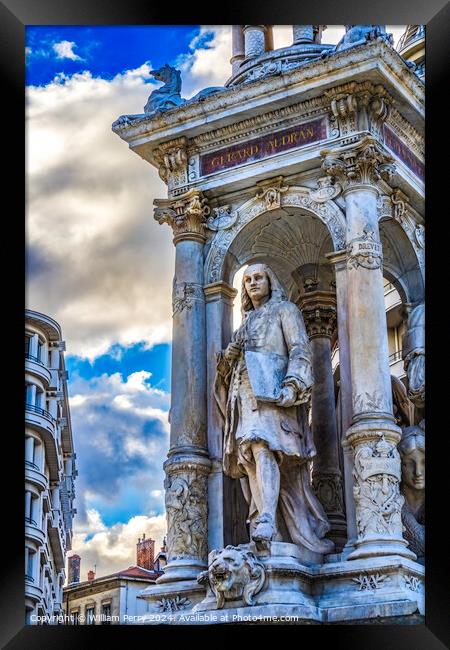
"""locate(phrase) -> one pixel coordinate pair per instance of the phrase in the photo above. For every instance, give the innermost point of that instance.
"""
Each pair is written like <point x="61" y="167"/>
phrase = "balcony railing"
<point x="31" y="357"/>
<point x="30" y="521"/>
<point x="32" y="465"/>
<point x="29" y="578"/>
<point x="395" y="356"/>
<point x="40" y="411"/>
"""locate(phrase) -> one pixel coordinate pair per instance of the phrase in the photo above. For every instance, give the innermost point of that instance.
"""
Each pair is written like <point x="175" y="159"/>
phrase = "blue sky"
<point x="104" y="50"/>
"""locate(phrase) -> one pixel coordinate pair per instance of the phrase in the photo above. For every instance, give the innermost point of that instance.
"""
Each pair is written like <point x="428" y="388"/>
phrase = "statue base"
<point x="301" y="588"/>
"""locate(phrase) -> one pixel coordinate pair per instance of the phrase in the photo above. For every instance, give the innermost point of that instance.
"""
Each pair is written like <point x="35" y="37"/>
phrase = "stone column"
<point x="255" y="40"/>
<point x="303" y="34"/>
<point x="339" y="259"/>
<point x="219" y="308"/>
<point x="319" y="314"/>
<point x="188" y="465"/>
<point x="373" y="435"/>
<point x="238" y="48"/>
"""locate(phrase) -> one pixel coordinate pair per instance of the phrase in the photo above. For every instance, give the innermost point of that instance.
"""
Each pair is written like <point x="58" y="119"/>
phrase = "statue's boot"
<point x="265" y="529"/>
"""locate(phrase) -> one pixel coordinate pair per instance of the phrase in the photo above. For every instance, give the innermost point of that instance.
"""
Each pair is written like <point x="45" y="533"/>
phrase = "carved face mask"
<point x="413" y="469"/>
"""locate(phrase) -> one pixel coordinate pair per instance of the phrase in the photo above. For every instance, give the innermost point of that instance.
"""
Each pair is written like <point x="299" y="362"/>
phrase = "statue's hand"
<point x="232" y="352"/>
<point x="287" y="396"/>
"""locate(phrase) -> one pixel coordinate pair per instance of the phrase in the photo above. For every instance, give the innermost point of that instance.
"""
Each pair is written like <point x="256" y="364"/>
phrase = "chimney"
<point x="91" y="575"/>
<point x="73" y="569"/>
<point x="145" y="553"/>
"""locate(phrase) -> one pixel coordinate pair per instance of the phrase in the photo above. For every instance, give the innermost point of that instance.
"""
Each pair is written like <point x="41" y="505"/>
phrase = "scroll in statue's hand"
<point x="287" y="397"/>
<point x="232" y="352"/>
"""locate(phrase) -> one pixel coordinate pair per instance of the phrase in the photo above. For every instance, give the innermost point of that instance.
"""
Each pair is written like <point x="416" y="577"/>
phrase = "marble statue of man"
<point x="412" y="453"/>
<point x="263" y="383"/>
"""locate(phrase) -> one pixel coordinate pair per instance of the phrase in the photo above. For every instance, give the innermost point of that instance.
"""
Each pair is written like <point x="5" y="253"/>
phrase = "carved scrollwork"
<point x="221" y="219"/>
<point x="271" y="192"/>
<point x="365" y="251"/>
<point x="326" y="191"/>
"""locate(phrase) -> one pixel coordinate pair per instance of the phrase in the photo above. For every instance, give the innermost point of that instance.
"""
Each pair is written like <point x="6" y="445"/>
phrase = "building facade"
<point x="50" y="468"/>
<point x="112" y="599"/>
<point x="310" y="160"/>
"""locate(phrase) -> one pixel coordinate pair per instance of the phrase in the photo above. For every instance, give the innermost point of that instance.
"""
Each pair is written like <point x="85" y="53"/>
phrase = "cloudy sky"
<point x="99" y="264"/>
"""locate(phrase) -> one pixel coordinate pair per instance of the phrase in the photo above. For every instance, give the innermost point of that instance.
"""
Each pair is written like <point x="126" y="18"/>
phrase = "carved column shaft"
<point x="255" y="40"/>
<point x="188" y="464"/>
<point x="303" y="34"/>
<point x="373" y="435"/>
<point x="345" y="391"/>
<point x="319" y="313"/>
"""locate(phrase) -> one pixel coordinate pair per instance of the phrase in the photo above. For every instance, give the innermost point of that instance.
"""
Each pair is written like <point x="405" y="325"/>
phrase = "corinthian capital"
<point x="319" y="313"/>
<point x="361" y="163"/>
<point x="186" y="215"/>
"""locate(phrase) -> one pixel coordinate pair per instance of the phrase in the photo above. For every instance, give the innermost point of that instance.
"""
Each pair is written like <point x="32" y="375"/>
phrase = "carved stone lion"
<point x="234" y="573"/>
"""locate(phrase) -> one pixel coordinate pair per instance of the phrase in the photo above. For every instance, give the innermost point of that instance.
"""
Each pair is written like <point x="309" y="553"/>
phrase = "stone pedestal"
<point x="373" y="436"/>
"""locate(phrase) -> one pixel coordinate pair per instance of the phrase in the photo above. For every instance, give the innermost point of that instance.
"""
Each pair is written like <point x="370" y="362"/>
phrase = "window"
<point x="106" y="614"/>
<point x="90" y="615"/>
<point x="75" y="617"/>
<point x="39" y="349"/>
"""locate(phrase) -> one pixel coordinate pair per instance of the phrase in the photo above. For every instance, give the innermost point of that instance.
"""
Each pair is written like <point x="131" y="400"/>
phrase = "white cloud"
<point x="113" y="548"/>
<point x="98" y="263"/>
<point x="64" y="50"/>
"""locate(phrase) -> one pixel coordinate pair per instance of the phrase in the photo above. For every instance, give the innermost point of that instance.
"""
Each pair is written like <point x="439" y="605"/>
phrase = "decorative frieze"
<point x="412" y="582"/>
<point x="406" y="132"/>
<point x="186" y="215"/>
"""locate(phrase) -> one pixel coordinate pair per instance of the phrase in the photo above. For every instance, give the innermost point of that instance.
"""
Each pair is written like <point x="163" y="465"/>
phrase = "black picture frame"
<point x="15" y="15"/>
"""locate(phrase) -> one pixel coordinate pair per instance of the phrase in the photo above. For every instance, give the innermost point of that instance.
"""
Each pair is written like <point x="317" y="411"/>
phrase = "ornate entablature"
<point x="328" y="212"/>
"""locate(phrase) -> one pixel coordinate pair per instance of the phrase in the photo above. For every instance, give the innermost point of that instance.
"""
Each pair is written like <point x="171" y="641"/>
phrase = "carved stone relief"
<point x="371" y="581"/>
<point x="328" y="213"/>
<point x="376" y="489"/>
<point x="186" y="508"/>
<point x="365" y="251"/>
<point x="234" y="574"/>
<point x="185" y="294"/>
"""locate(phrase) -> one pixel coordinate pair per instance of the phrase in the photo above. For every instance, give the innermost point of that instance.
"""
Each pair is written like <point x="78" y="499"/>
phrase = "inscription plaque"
<point x="401" y="150"/>
<point x="264" y="146"/>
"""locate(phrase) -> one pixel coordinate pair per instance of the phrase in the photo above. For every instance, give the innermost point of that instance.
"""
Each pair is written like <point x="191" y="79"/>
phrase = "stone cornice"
<point x="230" y="103"/>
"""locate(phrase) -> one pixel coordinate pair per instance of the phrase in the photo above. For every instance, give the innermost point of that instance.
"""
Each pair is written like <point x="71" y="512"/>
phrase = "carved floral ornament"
<point x="328" y="212"/>
<point x="363" y="163"/>
<point x="186" y="215"/>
